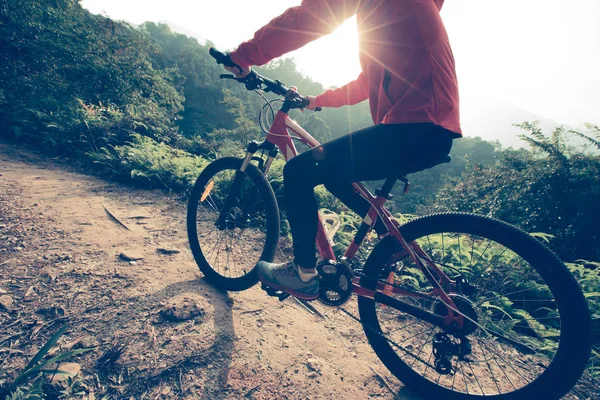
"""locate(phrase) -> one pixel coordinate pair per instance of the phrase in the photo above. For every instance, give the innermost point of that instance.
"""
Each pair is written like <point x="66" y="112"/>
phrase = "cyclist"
<point x="409" y="77"/>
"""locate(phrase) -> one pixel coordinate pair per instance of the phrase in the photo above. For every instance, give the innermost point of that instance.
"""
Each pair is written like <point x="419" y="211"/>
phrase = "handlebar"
<point x="255" y="81"/>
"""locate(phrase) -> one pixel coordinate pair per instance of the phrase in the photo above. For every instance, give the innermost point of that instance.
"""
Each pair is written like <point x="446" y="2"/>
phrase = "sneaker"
<point x="285" y="277"/>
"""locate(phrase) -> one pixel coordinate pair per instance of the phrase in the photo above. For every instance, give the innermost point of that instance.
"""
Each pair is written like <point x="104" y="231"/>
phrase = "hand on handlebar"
<point x="229" y="65"/>
<point x="239" y="72"/>
<point x="312" y="105"/>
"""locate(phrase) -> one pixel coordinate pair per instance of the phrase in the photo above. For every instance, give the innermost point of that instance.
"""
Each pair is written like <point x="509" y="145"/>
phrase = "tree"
<point x="551" y="189"/>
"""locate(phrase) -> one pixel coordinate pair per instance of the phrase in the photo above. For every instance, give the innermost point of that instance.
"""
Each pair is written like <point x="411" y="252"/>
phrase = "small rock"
<point x="132" y="263"/>
<point x="130" y="255"/>
<point x="18" y="248"/>
<point x="63" y="257"/>
<point x="181" y="310"/>
<point x="6" y="303"/>
<point x="71" y="369"/>
<point x="168" y="250"/>
<point x="313" y="364"/>
<point x="51" y="312"/>
<point x="313" y="375"/>
<point x="87" y="342"/>
<point x="2" y="291"/>
<point x="49" y="275"/>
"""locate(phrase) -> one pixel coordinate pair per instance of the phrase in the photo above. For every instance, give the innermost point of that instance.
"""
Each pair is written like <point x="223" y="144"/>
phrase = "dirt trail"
<point x="59" y="263"/>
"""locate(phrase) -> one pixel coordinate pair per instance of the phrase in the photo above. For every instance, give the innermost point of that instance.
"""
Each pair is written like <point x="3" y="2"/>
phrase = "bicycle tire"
<point x="575" y="336"/>
<point x="272" y="224"/>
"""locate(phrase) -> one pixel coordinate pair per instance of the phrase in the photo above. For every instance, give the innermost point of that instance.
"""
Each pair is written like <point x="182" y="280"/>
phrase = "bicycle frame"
<point x="279" y="137"/>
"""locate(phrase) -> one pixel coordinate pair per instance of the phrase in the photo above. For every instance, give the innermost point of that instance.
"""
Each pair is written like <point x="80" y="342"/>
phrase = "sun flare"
<point x="335" y="56"/>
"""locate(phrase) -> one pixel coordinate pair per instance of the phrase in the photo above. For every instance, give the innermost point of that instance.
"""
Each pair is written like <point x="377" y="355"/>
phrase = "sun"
<point x="333" y="59"/>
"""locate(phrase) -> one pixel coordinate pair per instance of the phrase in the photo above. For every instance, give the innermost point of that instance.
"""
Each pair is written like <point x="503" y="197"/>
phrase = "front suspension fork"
<point x="233" y="198"/>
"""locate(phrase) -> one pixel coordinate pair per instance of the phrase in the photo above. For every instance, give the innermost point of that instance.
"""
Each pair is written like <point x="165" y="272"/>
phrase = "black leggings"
<point x="377" y="152"/>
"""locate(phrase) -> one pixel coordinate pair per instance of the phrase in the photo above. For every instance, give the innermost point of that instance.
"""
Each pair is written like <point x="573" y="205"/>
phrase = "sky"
<point x="540" y="55"/>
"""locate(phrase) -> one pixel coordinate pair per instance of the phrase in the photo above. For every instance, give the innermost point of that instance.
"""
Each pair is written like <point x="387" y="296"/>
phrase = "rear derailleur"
<point x="444" y="348"/>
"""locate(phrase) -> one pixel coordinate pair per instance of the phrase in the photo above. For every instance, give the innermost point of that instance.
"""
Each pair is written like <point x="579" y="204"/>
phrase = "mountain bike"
<point x="455" y="305"/>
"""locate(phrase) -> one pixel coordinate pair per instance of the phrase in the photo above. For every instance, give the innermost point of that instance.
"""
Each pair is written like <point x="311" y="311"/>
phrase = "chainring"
<point x="335" y="283"/>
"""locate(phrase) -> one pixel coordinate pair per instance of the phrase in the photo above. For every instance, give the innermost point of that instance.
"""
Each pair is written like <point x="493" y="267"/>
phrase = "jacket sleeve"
<point x="293" y="29"/>
<point x="352" y="93"/>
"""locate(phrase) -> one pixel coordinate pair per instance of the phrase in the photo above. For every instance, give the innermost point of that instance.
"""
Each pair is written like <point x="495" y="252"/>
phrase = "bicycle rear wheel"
<point x="232" y="223"/>
<point x="529" y="332"/>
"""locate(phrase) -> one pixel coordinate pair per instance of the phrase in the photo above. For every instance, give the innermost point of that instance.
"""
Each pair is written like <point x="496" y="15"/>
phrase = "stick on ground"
<point x="110" y="214"/>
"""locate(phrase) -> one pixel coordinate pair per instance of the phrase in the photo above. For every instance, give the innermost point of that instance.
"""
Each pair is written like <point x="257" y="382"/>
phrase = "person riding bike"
<point x="408" y="75"/>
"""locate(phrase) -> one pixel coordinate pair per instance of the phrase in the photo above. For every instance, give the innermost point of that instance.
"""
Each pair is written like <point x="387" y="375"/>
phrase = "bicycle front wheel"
<point x="231" y="226"/>
<point x="528" y="331"/>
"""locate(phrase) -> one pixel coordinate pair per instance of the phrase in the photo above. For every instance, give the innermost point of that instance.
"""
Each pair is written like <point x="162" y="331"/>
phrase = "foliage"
<point x="587" y="274"/>
<point x="57" y="55"/>
<point x="551" y="190"/>
<point x="151" y="163"/>
<point x="38" y="368"/>
<point x="145" y="105"/>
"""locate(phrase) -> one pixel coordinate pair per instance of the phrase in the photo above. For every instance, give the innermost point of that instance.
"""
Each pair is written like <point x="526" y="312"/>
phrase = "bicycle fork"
<point x="233" y="198"/>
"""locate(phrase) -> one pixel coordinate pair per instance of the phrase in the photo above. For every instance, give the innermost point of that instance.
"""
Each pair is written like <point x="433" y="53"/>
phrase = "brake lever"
<point x="227" y="76"/>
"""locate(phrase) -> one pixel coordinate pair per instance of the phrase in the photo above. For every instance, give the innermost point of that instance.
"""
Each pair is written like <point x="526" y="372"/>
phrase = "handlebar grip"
<point x="222" y="58"/>
<point x="305" y="102"/>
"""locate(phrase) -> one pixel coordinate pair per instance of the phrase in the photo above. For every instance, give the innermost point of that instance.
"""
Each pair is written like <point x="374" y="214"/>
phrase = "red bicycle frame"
<point x="279" y="135"/>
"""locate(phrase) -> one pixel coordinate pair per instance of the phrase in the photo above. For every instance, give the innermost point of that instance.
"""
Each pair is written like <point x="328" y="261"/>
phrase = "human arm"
<point x="293" y="29"/>
<point x="349" y="94"/>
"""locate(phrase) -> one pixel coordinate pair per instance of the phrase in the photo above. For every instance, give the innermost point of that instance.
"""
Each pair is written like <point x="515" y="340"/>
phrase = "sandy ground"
<point x="60" y="264"/>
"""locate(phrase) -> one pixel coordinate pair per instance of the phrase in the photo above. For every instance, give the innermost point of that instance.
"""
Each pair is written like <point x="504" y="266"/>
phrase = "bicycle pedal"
<point x="274" y="292"/>
<point x="283" y="295"/>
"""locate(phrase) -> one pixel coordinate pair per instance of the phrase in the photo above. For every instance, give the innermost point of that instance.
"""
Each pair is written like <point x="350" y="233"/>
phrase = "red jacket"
<point x="407" y="63"/>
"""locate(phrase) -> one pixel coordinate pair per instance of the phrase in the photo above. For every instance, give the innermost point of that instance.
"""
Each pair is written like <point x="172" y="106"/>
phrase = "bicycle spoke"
<point x="464" y="380"/>
<point x="491" y="370"/>
<point x="476" y="380"/>
<point x="513" y="310"/>
<point x="493" y="259"/>
<point x="509" y="364"/>
<point x="231" y="249"/>
<point x="459" y="253"/>
<point x="472" y="250"/>
<point x="424" y="344"/>
<point x="484" y="251"/>
<point x="405" y="326"/>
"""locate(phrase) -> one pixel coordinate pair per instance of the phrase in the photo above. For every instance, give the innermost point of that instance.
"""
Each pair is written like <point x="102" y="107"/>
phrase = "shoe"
<point x="285" y="277"/>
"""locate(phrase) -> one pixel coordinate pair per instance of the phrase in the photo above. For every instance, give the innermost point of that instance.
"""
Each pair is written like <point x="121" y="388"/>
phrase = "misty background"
<point x="516" y="60"/>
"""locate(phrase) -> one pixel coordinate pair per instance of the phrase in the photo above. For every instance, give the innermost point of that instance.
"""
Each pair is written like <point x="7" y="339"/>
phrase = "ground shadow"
<point x="214" y="360"/>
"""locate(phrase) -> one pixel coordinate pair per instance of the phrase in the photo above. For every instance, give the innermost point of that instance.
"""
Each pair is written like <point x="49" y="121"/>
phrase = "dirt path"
<point x="59" y="263"/>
